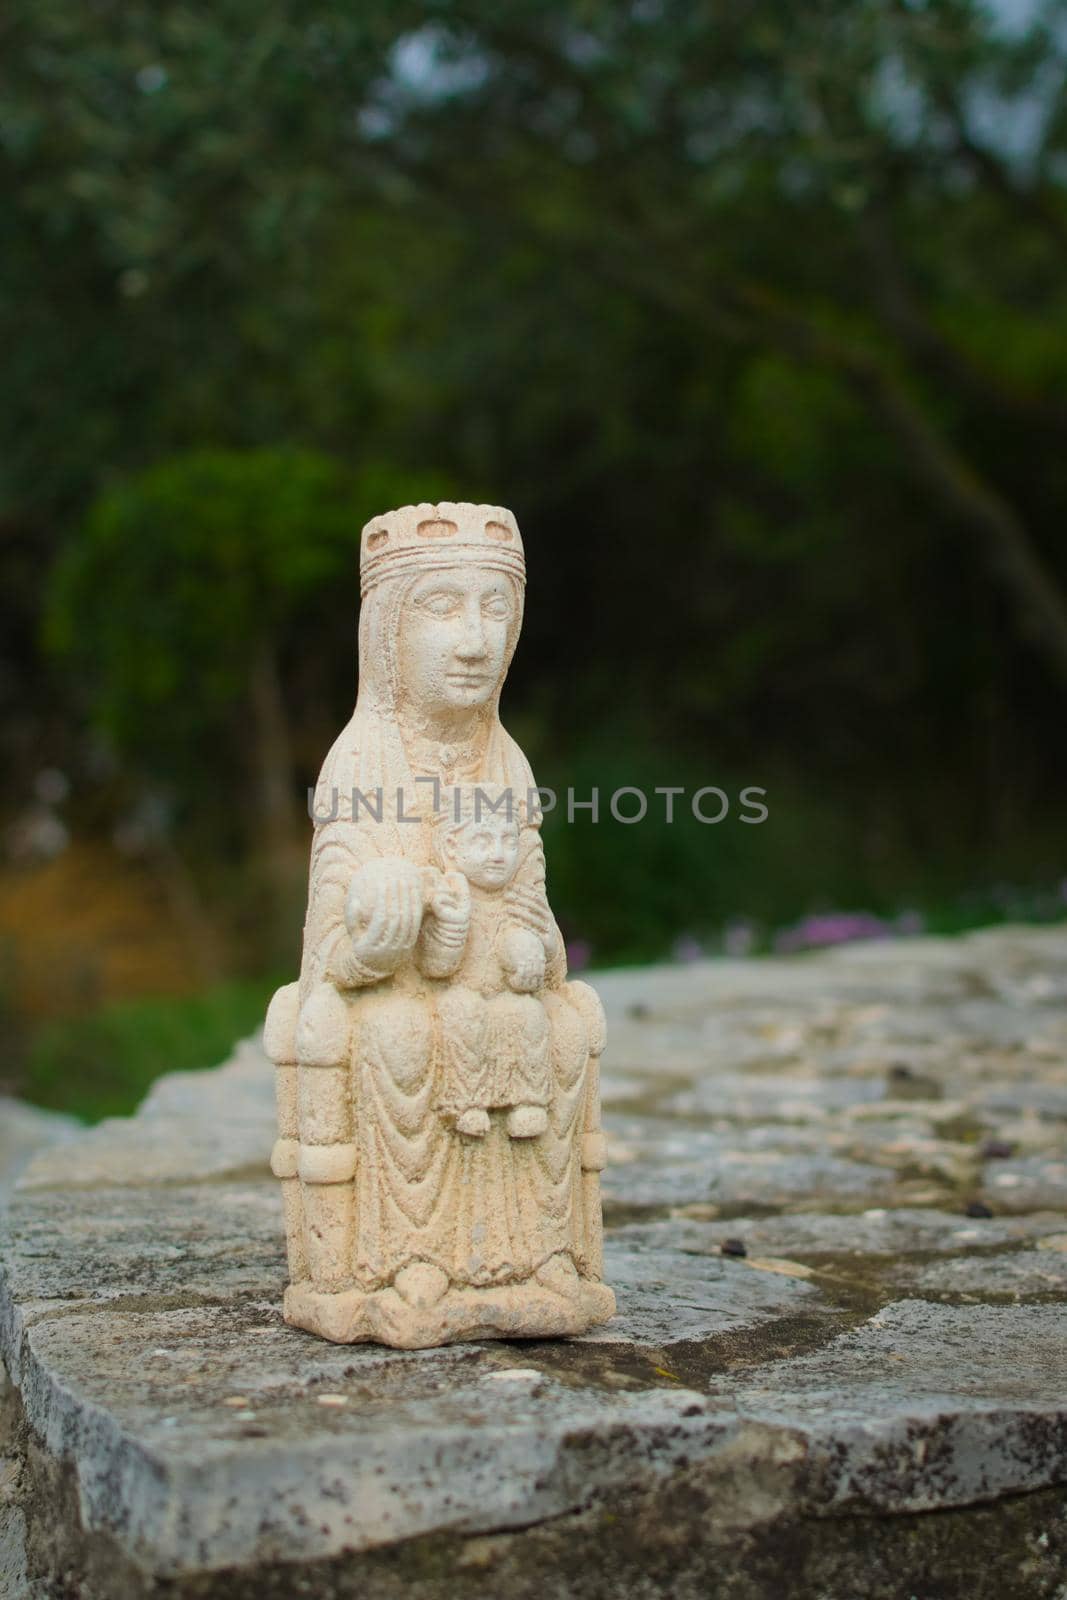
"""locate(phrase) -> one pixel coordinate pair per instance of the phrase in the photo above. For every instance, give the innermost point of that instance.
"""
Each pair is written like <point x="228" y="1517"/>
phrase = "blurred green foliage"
<point x="755" y="313"/>
<point x="179" y="597"/>
<point x="103" y="1065"/>
<point x="184" y="575"/>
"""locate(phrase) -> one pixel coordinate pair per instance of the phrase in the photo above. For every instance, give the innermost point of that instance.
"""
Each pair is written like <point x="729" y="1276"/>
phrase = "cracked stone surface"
<point x="837" y="1228"/>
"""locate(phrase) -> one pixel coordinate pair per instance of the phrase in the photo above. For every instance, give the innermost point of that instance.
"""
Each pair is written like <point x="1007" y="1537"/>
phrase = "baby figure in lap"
<point x="492" y="936"/>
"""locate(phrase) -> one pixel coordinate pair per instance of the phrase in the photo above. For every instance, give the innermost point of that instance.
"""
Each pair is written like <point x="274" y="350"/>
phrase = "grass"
<point x="102" y="1064"/>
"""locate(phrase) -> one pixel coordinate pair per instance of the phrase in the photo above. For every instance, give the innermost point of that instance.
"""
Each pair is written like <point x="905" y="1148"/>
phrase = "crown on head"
<point x="428" y="537"/>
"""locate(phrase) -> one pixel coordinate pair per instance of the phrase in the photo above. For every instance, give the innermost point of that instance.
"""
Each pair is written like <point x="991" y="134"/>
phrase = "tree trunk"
<point x="279" y="845"/>
<point x="273" y="755"/>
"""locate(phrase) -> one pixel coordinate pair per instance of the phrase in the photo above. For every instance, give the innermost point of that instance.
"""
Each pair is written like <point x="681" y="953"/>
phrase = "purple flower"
<point x="829" y="928"/>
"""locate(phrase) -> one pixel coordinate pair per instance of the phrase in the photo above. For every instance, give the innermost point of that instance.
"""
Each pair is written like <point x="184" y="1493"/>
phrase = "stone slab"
<point x="25" y="1130"/>
<point x="813" y="1334"/>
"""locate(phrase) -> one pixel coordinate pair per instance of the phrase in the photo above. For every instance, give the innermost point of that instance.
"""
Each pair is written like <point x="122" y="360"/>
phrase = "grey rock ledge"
<point x="790" y="1416"/>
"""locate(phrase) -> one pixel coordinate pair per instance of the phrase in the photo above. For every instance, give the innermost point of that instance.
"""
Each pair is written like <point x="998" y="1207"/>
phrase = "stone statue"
<point x="437" y="1074"/>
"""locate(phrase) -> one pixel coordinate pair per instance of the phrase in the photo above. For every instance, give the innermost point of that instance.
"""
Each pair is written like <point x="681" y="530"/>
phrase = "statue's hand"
<point x="447" y="898"/>
<point x="529" y="907"/>
<point x="451" y="902"/>
<point x="383" y="912"/>
<point x="523" y="956"/>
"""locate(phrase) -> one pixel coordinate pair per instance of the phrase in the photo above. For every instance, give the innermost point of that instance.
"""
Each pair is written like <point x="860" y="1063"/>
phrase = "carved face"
<point x="486" y="851"/>
<point x="453" y="645"/>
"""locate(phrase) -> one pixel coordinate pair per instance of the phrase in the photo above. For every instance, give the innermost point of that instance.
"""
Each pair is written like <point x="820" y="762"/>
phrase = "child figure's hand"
<point x="446" y="900"/>
<point x="450" y="901"/>
<point x="523" y="959"/>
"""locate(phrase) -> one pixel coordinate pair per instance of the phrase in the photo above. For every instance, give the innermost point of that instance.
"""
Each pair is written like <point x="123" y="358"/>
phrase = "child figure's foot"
<point x="474" y="1123"/>
<point x="526" y="1122"/>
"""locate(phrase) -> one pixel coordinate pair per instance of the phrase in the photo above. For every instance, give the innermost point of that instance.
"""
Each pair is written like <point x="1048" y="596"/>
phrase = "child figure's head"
<point x="476" y="832"/>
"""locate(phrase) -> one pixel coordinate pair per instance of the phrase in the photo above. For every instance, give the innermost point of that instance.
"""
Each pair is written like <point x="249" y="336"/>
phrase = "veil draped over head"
<point x="369" y="752"/>
<point x="369" y="756"/>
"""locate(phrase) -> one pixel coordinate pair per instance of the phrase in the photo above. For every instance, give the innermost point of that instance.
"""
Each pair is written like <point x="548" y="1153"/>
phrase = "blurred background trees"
<point x="756" y="314"/>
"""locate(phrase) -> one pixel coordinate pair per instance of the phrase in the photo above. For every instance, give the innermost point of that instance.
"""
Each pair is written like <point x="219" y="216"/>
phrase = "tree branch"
<point x="1036" y="590"/>
<point x="751" y="313"/>
<point x="895" y="302"/>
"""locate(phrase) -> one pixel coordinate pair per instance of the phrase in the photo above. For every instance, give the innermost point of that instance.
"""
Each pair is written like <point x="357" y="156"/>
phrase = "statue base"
<point x="528" y="1310"/>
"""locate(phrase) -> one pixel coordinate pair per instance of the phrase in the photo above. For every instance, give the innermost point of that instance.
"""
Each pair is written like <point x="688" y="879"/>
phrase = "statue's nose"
<point x="472" y="646"/>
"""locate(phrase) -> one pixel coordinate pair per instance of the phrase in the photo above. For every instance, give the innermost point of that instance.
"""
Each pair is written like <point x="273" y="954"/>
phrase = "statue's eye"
<point x="441" y="603"/>
<point x="497" y="605"/>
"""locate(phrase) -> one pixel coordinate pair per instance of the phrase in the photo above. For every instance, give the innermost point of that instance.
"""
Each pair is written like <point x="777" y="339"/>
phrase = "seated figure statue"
<point x="439" y="1143"/>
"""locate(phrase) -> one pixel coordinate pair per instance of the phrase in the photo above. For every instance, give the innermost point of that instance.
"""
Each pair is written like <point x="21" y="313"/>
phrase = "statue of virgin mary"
<point x="400" y="1227"/>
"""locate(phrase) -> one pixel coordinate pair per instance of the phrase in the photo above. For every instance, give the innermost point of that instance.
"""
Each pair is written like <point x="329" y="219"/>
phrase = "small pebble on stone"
<point x="331" y="1399"/>
<point x="977" y="1208"/>
<point x="998" y="1150"/>
<point x="907" y="1084"/>
<point x="734" y="1247"/>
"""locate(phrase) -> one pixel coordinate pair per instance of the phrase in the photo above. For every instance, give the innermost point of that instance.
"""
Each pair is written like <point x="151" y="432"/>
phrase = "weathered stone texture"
<point x="23" y="1131"/>
<point x="871" y="1400"/>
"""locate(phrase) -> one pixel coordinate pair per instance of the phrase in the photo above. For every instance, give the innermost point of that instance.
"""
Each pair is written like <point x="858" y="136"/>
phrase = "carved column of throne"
<point x="315" y="1153"/>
